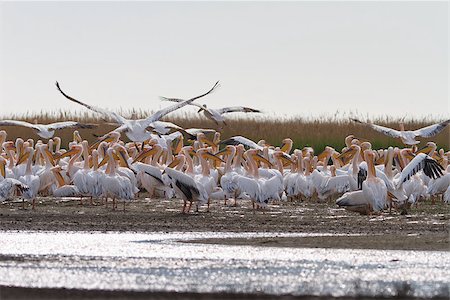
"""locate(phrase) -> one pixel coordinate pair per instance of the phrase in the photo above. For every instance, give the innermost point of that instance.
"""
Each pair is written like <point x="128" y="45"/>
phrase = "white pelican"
<point x="138" y="130"/>
<point x="374" y="188"/>
<point x="81" y="177"/>
<point x="46" y="131"/>
<point x="355" y="201"/>
<point x="184" y="185"/>
<point x="114" y="185"/>
<point x="227" y="183"/>
<point x="216" y="115"/>
<point x="429" y="166"/>
<point x="8" y="186"/>
<point x="63" y="189"/>
<point x="32" y="181"/>
<point x="408" y="137"/>
<point x="236" y="140"/>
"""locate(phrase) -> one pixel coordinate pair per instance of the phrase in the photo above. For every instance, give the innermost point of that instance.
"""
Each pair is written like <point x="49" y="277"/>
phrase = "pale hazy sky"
<point x="293" y="58"/>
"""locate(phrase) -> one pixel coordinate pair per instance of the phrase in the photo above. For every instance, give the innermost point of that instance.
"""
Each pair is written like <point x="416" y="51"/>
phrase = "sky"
<point x="288" y="59"/>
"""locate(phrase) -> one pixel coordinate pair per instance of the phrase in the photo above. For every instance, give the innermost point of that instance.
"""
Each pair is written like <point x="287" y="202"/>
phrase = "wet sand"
<point x="425" y="227"/>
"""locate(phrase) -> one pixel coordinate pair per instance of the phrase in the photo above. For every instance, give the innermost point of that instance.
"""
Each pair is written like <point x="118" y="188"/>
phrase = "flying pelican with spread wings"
<point x="215" y="115"/>
<point x="408" y="137"/>
<point x="139" y="130"/>
<point x="46" y="131"/>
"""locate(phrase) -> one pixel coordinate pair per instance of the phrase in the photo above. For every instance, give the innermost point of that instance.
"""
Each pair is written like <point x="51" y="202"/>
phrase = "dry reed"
<point x="317" y="133"/>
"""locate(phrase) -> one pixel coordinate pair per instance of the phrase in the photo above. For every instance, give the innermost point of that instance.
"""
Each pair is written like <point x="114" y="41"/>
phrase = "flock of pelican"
<point x="168" y="161"/>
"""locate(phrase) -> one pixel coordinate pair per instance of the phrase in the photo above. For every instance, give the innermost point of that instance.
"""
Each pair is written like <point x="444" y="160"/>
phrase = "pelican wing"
<point x="430" y="167"/>
<point x="355" y="198"/>
<point x="195" y="131"/>
<point x="236" y="140"/>
<point x="18" y="123"/>
<point x="185" y="183"/>
<point x="68" y="124"/>
<point x="231" y="109"/>
<point x="431" y="130"/>
<point x="119" y="119"/>
<point x="180" y="101"/>
<point x="152" y="171"/>
<point x="385" y="130"/>
<point x="162" y="112"/>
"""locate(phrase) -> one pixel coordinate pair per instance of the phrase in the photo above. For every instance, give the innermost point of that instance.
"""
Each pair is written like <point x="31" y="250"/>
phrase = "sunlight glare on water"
<point x="159" y="262"/>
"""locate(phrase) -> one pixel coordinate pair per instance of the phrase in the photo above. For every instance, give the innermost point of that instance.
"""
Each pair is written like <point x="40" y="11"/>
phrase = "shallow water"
<point x="158" y="262"/>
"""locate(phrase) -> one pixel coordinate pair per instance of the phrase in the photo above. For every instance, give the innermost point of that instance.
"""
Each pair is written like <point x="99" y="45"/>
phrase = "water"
<point x="159" y="262"/>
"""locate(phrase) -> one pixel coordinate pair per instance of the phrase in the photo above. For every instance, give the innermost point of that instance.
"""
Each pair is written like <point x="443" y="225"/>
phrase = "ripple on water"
<point x="156" y="261"/>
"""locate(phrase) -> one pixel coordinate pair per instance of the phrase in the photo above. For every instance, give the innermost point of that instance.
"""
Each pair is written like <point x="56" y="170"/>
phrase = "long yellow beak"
<point x="106" y="138"/>
<point x="224" y="151"/>
<point x="67" y="153"/>
<point x="259" y="158"/>
<point x="3" y="169"/>
<point x="178" y="146"/>
<point x="212" y="156"/>
<point x="348" y="154"/>
<point x="50" y="156"/>
<point x="174" y="163"/>
<point x="144" y="154"/>
<point x="208" y="142"/>
<point x="425" y="150"/>
<point x="104" y="161"/>
<point x="122" y="158"/>
<point x="23" y="157"/>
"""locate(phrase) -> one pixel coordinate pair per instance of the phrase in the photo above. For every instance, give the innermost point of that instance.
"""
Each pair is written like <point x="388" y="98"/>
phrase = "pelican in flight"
<point x="138" y="130"/>
<point x="215" y="115"/>
<point x="408" y="137"/>
<point x="46" y="131"/>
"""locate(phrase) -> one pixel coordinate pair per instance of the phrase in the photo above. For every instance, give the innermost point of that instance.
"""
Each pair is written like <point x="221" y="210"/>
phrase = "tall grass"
<point x="304" y="131"/>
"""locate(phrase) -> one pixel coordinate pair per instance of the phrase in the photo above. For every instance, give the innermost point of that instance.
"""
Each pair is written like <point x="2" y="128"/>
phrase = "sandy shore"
<point x="425" y="227"/>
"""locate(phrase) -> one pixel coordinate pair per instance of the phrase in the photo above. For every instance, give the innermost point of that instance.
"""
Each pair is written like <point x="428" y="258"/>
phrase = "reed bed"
<point x="304" y="131"/>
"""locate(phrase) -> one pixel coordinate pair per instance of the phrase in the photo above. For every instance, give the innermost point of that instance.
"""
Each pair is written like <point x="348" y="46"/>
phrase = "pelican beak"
<point x="9" y="146"/>
<point x="286" y="159"/>
<point x="122" y="158"/>
<point x="212" y="156"/>
<point x="347" y="154"/>
<point x="208" y="142"/>
<point x="144" y="154"/>
<point x="425" y="150"/>
<point x="380" y="160"/>
<point x="392" y="196"/>
<point x="178" y="146"/>
<point x="2" y="168"/>
<point x="224" y="151"/>
<point x="284" y="147"/>
<point x="260" y="158"/>
<point x="91" y="161"/>
<point x="322" y="156"/>
<point x="67" y="153"/>
<point x="106" y="138"/>
<point x="174" y="163"/>
<point x="23" y="157"/>
<point x="410" y="155"/>
<point x="50" y="156"/>
<point x="104" y="161"/>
